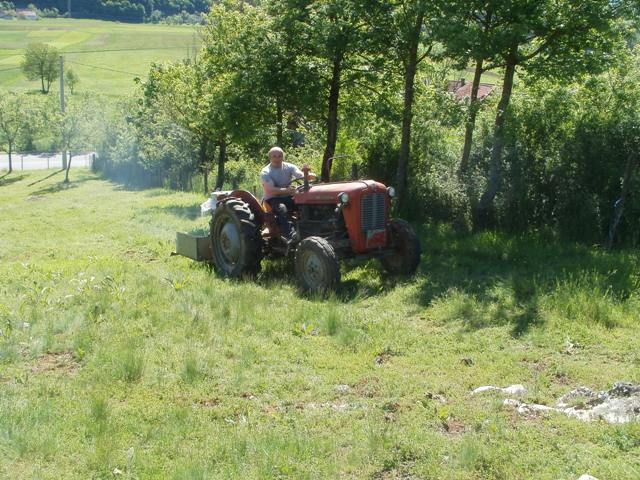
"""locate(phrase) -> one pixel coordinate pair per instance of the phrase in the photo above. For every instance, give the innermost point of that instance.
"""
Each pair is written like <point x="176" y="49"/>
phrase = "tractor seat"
<point x="266" y="207"/>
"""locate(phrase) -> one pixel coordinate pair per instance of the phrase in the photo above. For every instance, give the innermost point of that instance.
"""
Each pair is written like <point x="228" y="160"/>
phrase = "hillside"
<point x="107" y="56"/>
<point x="121" y="10"/>
<point x="119" y="360"/>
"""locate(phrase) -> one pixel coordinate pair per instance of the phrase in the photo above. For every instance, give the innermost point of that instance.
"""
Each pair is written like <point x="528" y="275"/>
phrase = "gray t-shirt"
<point x="273" y="178"/>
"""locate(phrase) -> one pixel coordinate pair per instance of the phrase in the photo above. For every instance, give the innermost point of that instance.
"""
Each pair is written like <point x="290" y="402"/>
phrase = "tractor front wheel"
<point x="316" y="265"/>
<point x="235" y="239"/>
<point x="406" y="249"/>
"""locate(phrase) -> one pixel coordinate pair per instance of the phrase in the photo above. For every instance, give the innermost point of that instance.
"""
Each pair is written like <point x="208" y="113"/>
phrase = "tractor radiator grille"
<point x="372" y="212"/>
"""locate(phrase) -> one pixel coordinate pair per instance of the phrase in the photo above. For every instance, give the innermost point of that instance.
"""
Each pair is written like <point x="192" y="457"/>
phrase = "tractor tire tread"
<point x="328" y="255"/>
<point x="407" y="260"/>
<point x="252" y="251"/>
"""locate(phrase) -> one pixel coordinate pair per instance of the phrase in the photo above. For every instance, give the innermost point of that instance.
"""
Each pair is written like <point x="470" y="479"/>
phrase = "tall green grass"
<point x="117" y="357"/>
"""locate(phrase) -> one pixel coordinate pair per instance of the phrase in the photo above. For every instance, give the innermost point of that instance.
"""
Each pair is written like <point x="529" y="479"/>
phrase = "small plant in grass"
<point x="98" y="416"/>
<point x="332" y="323"/>
<point x="191" y="370"/>
<point x="131" y="366"/>
<point x="304" y="329"/>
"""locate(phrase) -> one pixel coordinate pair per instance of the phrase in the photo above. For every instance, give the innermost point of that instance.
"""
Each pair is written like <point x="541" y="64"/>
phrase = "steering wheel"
<point x="300" y="183"/>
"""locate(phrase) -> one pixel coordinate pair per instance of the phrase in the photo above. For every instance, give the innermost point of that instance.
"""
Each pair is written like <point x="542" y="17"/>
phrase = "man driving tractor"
<point x="276" y="180"/>
<point x="332" y="221"/>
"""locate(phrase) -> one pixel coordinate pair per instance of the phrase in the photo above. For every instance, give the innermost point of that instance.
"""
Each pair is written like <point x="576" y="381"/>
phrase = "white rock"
<point x="510" y="390"/>
<point x="343" y="388"/>
<point x="514" y="389"/>
<point x="485" y="388"/>
<point x="586" y="476"/>
<point x="527" y="407"/>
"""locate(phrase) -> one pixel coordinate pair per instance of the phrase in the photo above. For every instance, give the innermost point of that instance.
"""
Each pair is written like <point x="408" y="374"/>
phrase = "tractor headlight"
<point x="343" y="197"/>
<point x="392" y="192"/>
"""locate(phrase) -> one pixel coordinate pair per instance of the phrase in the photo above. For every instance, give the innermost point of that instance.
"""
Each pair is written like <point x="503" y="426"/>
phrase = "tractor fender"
<point x="251" y="200"/>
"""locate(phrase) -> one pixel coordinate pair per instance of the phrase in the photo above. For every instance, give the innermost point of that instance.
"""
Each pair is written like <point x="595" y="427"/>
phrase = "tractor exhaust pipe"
<point x="305" y="171"/>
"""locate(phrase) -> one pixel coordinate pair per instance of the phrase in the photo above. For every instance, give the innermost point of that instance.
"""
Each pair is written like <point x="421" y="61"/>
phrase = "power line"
<point x="108" y="50"/>
<point x="105" y="68"/>
<point x="126" y="49"/>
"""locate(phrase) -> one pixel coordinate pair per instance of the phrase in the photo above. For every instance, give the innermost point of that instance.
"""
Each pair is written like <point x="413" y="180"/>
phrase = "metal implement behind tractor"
<point x="332" y="221"/>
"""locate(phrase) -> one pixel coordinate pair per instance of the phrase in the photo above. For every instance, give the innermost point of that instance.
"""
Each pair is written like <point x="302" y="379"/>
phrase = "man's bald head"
<point x="276" y="156"/>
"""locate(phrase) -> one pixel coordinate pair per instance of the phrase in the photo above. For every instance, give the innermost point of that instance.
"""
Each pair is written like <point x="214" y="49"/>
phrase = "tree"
<point x="412" y="40"/>
<point x="11" y="122"/>
<point x="282" y="76"/>
<point x="71" y="79"/>
<point x="41" y="61"/>
<point x="338" y="37"/>
<point x="34" y="111"/>
<point x="544" y="38"/>
<point x="72" y="127"/>
<point x="181" y="91"/>
<point x="625" y="102"/>
<point x="468" y="30"/>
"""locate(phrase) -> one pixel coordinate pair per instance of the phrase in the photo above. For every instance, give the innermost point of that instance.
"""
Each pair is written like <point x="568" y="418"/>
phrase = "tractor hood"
<point x="327" y="193"/>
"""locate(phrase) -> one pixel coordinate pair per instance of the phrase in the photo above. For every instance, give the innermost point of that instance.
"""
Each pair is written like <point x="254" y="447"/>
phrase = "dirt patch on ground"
<point x="453" y="426"/>
<point x="368" y="387"/>
<point x="56" y="362"/>
<point x="385" y="356"/>
<point x="208" y="402"/>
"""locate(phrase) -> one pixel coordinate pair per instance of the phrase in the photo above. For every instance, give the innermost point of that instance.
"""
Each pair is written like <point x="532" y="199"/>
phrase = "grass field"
<point x="117" y="360"/>
<point x="110" y="64"/>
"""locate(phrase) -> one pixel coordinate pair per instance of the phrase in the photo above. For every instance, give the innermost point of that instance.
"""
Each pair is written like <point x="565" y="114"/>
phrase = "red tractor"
<point x="333" y="221"/>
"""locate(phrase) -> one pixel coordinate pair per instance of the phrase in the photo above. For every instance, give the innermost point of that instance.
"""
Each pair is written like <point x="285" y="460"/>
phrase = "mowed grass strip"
<point x="109" y="45"/>
<point x="117" y="357"/>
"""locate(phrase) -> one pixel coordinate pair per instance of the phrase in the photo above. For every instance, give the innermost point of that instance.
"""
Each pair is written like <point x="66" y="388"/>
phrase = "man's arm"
<point x="272" y="191"/>
<point x="297" y="173"/>
<point x="312" y="176"/>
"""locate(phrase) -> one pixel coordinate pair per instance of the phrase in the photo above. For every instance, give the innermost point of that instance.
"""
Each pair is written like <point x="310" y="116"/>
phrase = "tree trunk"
<point x="279" y="116"/>
<point x="332" y="118"/>
<point x="632" y="162"/>
<point x="222" y="154"/>
<point x="485" y="204"/>
<point x="474" y="105"/>
<point x="202" y="154"/>
<point x="410" y="67"/>
<point x="42" y="83"/>
<point x="66" y="172"/>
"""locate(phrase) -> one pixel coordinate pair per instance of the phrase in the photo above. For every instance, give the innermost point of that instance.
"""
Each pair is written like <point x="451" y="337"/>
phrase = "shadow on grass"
<point x="188" y="212"/>
<point x="57" y="172"/>
<point x="8" y="181"/>
<point x="276" y="272"/>
<point x="55" y="188"/>
<point x="62" y="186"/>
<point x="488" y="279"/>
<point x="505" y="276"/>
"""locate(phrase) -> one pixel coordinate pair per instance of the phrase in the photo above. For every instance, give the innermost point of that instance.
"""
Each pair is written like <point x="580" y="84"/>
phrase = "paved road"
<point x="43" y="161"/>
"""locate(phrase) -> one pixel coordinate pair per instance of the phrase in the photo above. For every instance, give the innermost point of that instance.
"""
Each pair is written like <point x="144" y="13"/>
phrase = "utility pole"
<point x="64" y="151"/>
<point x="69" y="8"/>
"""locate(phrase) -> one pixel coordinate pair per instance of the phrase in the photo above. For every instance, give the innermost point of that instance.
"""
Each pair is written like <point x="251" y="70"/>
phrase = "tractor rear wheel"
<point x="316" y="265"/>
<point x="235" y="239"/>
<point x="406" y="245"/>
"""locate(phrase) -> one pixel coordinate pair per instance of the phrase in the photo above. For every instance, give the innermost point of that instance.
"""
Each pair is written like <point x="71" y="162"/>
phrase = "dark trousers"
<point x="282" y="208"/>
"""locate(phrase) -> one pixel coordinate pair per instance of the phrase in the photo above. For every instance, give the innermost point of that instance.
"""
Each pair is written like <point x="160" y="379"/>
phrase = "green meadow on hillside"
<point x="116" y="52"/>
<point x="118" y="360"/>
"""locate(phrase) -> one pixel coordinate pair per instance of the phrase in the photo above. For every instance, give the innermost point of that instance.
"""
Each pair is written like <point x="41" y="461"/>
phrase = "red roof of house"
<point x="462" y="89"/>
